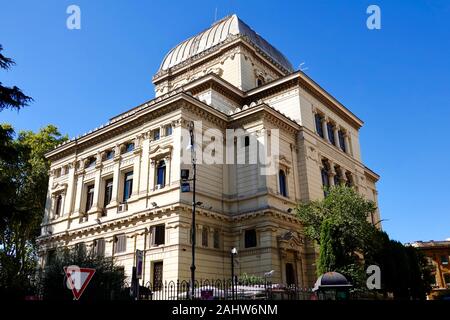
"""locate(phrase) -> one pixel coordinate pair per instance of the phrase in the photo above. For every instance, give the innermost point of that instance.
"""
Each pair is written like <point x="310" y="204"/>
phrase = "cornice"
<point x="136" y="118"/>
<point x="299" y="78"/>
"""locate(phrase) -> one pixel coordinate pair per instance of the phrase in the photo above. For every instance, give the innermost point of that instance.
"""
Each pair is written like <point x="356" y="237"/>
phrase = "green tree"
<point x="339" y="224"/>
<point x="23" y="185"/>
<point x="11" y="97"/>
<point x="404" y="270"/>
<point x="108" y="282"/>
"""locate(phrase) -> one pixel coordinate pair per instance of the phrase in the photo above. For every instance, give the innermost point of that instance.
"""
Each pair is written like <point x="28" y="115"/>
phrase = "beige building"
<point x="117" y="188"/>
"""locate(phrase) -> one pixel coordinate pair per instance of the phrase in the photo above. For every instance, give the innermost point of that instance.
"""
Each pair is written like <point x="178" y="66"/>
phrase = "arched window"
<point x="349" y="179"/>
<point x="325" y="176"/>
<point x="282" y="180"/>
<point x="161" y="174"/>
<point x="337" y="176"/>
<point x="341" y="136"/>
<point x="318" y="120"/>
<point x="325" y="173"/>
<point x="330" y="128"/>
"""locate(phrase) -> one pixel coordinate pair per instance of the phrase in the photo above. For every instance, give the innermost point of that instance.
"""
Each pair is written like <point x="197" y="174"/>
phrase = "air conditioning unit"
<point x="122" y="207"/>
<point x="158" y="186"/>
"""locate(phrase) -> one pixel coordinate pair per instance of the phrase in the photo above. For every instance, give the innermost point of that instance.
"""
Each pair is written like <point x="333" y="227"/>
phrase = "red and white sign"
<point x="78" y="279"/>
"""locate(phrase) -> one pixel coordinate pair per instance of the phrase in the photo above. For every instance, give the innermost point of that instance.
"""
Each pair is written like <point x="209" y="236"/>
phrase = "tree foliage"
<point x="108" y="282"/>
<point x="11" y="97"/>
<point x="404" y="270"/>
<point x="349" y="244"/>
<point x="23" y="185"/>
<point x="339" y="224"/>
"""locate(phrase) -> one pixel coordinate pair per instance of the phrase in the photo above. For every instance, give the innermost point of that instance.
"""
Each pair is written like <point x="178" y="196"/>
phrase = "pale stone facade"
<point x="226" y="77"/>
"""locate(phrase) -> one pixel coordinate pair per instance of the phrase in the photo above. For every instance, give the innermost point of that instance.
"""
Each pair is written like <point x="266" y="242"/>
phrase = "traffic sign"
<point x="78" y="279"/>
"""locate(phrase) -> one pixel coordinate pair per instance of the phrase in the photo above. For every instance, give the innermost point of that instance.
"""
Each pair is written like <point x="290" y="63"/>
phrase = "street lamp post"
<point x="193" y="234"/>
<point x="233" y="253"/>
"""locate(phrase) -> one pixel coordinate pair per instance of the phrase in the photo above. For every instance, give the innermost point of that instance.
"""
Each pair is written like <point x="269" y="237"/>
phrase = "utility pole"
<point x="193" y="234"/>
<point x="233" y="253"/>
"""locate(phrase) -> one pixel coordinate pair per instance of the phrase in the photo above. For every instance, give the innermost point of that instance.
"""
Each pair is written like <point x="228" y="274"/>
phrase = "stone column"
<point x="49" y="202"/>
<point x="152" y="174"/>
<point x="336" y="135"/>
<point x="331" y="173"/>
<point x="175" y="157"/>
<point x="95" y="204"/>
<point x="347" y="143"/>
<point x="168" y="161"/>
<point x="70" y="189"/>
<point x="145" y="164"/>
<point x="283" y="256"/>
<point x="79" y="194"/>
<point x="116" y="180"/>
<point x="137" y="166"/>
<point x="325" y="129"/>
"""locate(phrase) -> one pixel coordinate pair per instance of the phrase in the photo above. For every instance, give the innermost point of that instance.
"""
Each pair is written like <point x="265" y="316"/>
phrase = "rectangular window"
<point x="444" y="260"/>
<point x="109" y="155"/>
<point x="282" y="182"/>
<point x="342" y="141"/>
<point x="447" y="279"/>
<point x="156" y="134"/>
<point x="51" y="256"/>
<point x="91" y="162"/>
<point x="319" y="128"/>
<point x="250" y="238"/>
<point x="216" y="239"/>
<point x="337" y="176"/>
<point x="169" y="130"/>
<point x="80" y="248"/>
<point x="157" y="275"/>
<point x="108" y="192"/>
<point x="89" y="198"/>
<point x="330" y="128"/>
<point x="161" y="174"/>
<point x="129" y="147"/>
<point x="205" y="237"/>
<point x="58" y="207"/>
<point x="433" y="280"/>
<point x="120" y="243"/>
<point x="158" y="235"/>
<point x="127" y="186"/>
<point x="246" y="141"/>
<point x="99" y="247"/>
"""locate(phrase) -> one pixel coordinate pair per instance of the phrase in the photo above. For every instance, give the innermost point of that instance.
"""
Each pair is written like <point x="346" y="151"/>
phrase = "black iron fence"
<point x="223" y="289"/>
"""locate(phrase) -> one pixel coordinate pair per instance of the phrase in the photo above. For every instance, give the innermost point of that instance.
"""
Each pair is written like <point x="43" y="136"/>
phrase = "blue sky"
<point x="396" y="79"/>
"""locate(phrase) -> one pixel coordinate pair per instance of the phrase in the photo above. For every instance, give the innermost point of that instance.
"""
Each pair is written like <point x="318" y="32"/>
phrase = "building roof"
<point x="215" y="35"/>
<point x="430" y="244"/>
